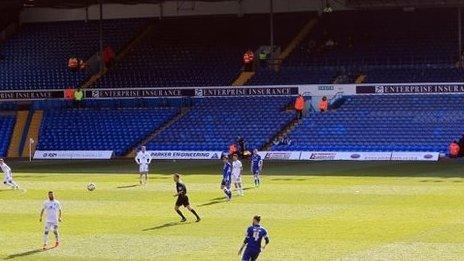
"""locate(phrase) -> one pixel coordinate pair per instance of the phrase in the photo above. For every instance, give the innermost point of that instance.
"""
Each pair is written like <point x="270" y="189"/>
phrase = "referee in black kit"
<point x="182" y="199"/>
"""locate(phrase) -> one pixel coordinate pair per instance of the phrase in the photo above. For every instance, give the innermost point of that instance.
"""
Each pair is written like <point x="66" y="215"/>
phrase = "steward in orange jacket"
<point x="454" y="149"/>
<point x="299" y="106"/>
<point x="324" y="104"/>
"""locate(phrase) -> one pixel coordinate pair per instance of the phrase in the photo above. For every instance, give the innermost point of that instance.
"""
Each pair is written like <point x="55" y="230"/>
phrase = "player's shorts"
<point x="256" y="171"/>
<point x="51" y="226"/>
<point x="143" y="168"/>
<point x="182" y="201"/>
<point x="236" y="179"/>
<point x="250" y="255"/>
<point x="225" y="184"/>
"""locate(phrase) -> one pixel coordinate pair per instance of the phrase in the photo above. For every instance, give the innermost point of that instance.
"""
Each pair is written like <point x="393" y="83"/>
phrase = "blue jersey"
<point x="254" y="236"/>
<point x="227" y="172"/>
<point x="255" y="162"/>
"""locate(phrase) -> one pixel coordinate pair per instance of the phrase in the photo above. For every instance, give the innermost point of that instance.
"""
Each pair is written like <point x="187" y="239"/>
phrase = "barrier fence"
<point x="229" y="91"/>
<point x="266" y="155"/>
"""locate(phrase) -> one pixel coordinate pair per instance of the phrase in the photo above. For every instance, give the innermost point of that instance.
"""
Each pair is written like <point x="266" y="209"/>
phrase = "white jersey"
<point x="143" y="158"/>
<point x="6" y="171"/>
<point x="52" y="208"/>
<point x="237" y="168"/>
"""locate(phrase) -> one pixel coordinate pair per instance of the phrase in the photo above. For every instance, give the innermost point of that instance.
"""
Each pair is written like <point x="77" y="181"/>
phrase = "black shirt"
<point x="181" y="189"/>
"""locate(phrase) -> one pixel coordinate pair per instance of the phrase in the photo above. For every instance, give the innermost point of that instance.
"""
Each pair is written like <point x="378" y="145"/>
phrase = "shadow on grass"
<point x="214" y="202"/>
<point x="128" y="186"/>
<point x="170" y="224"/>
<point x="27" y="253"/>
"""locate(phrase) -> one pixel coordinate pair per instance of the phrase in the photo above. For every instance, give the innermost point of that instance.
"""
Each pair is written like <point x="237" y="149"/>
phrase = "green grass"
<point x="313" y="211"/>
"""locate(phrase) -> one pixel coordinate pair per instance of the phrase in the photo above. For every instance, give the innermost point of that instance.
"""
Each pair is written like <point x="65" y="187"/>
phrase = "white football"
<point x="91" y="187"/>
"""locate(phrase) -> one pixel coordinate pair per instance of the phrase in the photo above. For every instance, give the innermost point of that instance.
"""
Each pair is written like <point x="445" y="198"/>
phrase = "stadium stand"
<point x="36" y="57"/>
<point x="380" y="44"/>
<point x="193" y="51"/>
<point x="382" y="123"/>
<point x="7" y="123"/>
<point x="214" y="123"/>
<point x="107" y="125"/>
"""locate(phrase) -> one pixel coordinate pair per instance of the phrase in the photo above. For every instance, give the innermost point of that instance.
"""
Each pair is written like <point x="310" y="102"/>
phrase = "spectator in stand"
<point x="233" y="149"/>
<point x="241" y="146"/>
<point x="108" y="55"/>
<point x="69" y="93"/>
<point x="324" y="104"/>
<point x="78" y="97"/>
<point x="73" y="64"/>
<point x="262" y="58"/>
<point x="76" y="64"/>
<point x="454" y="149"/>
<point x="299" y="106"/>
<point x="248" y="59"/>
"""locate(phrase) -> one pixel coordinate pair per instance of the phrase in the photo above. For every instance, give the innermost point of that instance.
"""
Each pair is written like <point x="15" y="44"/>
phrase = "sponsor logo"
<point x="322" y="155"/>
<point x="379" y="89"/>
<point x="30" y="95"/>
<point x="326" y="88"/>
<point x="278" y="155"/>
<point x="95" y="94"/>
<point x="428" y="156"/>
<point x="50" y="155"/>
<point x="73" y="154"/>
<point x="199" y="92"/>
<point x="355" y="156"/>
<point x="256" y="91"/>
<point x="420" y="88"/>
<point x="185" y="154"/>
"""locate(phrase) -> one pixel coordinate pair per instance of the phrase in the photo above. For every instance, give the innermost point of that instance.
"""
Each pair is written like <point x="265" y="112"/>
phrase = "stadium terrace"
<point x="231" y="130"/>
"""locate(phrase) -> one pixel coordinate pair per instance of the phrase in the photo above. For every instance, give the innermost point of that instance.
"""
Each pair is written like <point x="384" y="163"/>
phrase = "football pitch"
<point x="312" y="211"/>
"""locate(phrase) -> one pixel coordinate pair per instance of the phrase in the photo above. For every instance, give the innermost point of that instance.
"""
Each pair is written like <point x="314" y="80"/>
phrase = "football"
<point x="91" y="187"/>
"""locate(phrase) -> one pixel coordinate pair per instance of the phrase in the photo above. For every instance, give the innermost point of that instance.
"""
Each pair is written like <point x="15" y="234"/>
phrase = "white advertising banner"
<point x="280" y="155"/>
<point x="415" y="156"/>
<point x="328" y="90"/>
<point x="335" y="155"/>
<point x="169" y="154"/>
<point x="73" y="154"/>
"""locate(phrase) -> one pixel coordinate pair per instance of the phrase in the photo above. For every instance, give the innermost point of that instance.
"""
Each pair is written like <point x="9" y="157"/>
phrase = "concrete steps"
<point x="15" y="142"/>
<point x="33" y="133"/>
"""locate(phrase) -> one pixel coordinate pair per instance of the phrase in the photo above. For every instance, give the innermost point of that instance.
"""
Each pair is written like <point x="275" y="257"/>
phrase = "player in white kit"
<point x="143" y="158"/>
<point x="52" y="208"/>
<point x="7" y="175"/>
<point x="237" y="174"/>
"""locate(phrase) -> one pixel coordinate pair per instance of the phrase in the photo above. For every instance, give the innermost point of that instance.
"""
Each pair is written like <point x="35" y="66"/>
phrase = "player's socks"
<point x="228" y="194"/>
<point x="45" y="239"/>
<point x="196" y="215"/>
<point x="57" y="238"/>
<point x="181" y="215"/>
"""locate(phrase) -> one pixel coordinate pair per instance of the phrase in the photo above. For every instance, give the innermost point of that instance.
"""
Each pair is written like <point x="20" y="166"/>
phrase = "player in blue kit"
<point x="256" y="167"/>
<point x="254" y="236"/>
<point x="226" y="177"/>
